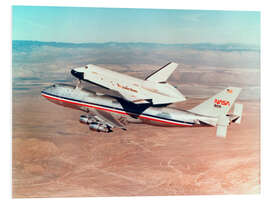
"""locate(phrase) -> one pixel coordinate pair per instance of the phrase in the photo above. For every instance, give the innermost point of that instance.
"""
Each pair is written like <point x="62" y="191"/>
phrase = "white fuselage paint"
<point x="81" y="99"/>
<point x="130" y="87"/>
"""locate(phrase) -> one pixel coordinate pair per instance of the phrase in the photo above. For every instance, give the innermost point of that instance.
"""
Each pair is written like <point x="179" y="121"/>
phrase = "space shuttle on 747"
<point x="127" y="99"/>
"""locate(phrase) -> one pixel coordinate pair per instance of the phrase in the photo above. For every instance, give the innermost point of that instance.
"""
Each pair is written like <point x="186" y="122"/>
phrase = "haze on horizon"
<point x="167" y="26"/>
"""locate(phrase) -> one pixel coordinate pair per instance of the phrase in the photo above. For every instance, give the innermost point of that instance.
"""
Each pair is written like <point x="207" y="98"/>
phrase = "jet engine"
<point x="95" y="124"/>
<point x="99" y="127"/>
<point x="86" y="120"/>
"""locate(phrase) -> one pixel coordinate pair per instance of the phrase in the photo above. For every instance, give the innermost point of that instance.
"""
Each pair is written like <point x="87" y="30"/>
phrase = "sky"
<point x="83" y="24"/>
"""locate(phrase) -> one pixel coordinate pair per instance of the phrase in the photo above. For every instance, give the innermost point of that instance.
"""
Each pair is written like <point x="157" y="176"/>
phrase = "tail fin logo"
<point x="219" y="102"/>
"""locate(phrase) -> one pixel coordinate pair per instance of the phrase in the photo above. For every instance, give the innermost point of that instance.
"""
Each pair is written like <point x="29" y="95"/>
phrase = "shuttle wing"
<point x="141" y="99"/>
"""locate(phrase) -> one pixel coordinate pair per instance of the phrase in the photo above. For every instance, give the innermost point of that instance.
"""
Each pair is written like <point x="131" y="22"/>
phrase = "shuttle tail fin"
<point x="163" y="73"/>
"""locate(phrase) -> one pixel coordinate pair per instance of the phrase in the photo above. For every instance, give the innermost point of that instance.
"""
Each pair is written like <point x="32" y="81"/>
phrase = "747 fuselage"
<point x="131" y="100"/>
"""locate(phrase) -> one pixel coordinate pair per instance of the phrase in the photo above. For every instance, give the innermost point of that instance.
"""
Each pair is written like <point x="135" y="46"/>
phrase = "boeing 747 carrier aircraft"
<point x="132" y="100"/>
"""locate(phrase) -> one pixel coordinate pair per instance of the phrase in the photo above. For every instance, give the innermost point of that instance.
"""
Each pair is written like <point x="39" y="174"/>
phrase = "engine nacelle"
<point x="99" y="127"/>
<point x="85" y="119"/>
<point x="95" y="124"/>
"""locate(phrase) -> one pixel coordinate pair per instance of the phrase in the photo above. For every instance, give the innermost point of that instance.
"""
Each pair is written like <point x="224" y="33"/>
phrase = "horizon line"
<point x="137" y="42"/>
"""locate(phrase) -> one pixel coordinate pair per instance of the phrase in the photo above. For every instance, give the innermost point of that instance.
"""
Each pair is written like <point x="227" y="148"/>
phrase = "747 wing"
<point x="101" y="121"/>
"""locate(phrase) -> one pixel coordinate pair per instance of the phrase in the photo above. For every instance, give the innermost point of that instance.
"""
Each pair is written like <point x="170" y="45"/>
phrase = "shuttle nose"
<point x="77" y="74"/>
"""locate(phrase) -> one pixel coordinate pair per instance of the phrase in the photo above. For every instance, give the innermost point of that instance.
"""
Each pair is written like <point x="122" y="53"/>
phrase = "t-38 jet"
<point x="124" y="99"/>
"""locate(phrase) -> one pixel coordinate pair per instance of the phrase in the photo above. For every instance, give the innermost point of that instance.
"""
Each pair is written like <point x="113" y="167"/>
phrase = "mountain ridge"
<point x="18" y="45"/>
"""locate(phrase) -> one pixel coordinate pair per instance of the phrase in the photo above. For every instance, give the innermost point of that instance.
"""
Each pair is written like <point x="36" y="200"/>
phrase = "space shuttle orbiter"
<point x="154" y="90"/>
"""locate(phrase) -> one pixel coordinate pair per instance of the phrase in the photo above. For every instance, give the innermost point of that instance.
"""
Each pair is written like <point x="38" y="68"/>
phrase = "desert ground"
<point x="56" y="156"/>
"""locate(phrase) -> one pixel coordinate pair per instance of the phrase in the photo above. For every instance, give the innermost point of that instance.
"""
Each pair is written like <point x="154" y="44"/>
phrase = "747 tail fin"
<point x="219" y="104"/>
